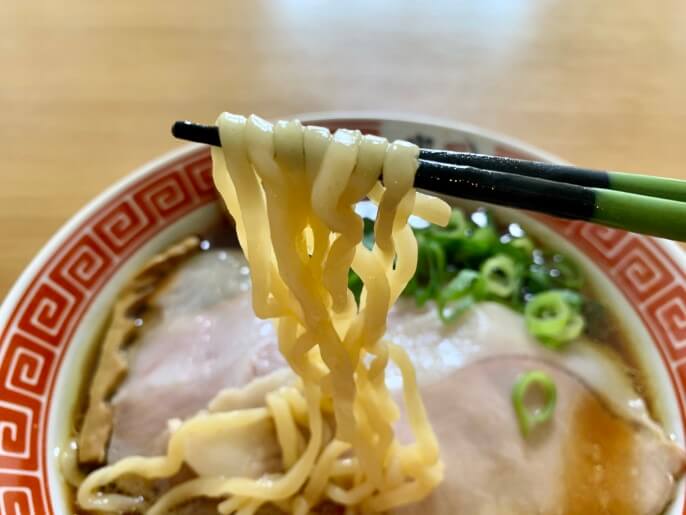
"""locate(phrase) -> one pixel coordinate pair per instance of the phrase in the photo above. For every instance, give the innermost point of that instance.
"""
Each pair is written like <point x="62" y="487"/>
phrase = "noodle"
<point x="69" y="463"/>
<point x="286" y="430"/>
<point x="291" y="191"/>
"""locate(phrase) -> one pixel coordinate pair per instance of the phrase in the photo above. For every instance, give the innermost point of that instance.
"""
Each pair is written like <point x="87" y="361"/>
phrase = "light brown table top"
<point x="88" y="89"/>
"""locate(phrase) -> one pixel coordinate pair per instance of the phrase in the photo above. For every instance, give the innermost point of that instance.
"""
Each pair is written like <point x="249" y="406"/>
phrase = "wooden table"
<point x="88" y="89"/>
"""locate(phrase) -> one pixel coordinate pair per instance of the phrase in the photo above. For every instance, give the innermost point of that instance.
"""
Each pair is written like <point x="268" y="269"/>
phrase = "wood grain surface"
<point x="88" y="89"/>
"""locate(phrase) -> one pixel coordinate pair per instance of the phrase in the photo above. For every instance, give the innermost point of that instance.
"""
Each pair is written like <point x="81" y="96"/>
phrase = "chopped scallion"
<point x="553" y="317"/>
<point x="456" y="297"/>
<point x="547" y="314"/>
<point x="472" y="260"/>
<point x="523" y="244"/>
<point x="500" y="276"/>
<point x="530" y="417"/>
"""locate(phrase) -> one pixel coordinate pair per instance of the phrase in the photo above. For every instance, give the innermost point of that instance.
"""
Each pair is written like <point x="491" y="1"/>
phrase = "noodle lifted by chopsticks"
<point x="291" y="191"/>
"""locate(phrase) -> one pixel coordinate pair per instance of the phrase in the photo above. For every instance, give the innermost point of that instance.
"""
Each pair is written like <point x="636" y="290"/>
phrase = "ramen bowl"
<point x="54" y="312"/>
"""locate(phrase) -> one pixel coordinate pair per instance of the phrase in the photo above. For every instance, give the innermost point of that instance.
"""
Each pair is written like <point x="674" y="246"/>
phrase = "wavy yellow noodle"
<point x="291" y="191"/>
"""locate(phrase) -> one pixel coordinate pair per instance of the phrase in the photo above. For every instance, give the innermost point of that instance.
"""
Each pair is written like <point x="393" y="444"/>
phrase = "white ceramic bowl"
<point x="51" y="315"/>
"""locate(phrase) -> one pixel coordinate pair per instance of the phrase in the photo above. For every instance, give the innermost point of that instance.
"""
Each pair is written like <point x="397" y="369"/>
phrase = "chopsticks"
<point x="638" y="203"/>
<point x="630" y="182"/>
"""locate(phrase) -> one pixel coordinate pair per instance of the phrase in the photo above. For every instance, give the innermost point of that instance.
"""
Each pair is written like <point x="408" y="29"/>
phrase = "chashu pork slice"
<point x="204" y="339"/>
<point x="586" y="460"/>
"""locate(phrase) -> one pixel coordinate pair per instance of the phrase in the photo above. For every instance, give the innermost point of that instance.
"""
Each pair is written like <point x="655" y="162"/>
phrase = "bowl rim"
<point x="79" y="217"/>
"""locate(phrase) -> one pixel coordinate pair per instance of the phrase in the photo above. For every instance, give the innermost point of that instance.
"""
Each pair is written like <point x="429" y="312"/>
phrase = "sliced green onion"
<point x="523" y="244"/>
<point x="368" y="238"/>
<point x="436" y="263"/>
<point x="471" y="260"/>
<point x="455" y="298"/>
<point x="573" y="329"/>
<point x="537" y="279"/>
<point x="547" y="314"/>
<point x="564" y="273"/>
<point x="554" y="318"/>
<point x="457" y="221"/>
<point x="479" y="244"/>
<point x="528" y="418"/>
<point x="500" y="276"/>
<point x="355" y="284"/>
<point x="453" y="309"/>
<point x="459" y="285"/>
<point x="455" y="231"/>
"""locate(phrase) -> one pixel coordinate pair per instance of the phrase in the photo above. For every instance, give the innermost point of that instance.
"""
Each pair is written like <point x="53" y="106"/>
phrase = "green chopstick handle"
<point x="639" y="213"/>
<point x="663" y="187"/>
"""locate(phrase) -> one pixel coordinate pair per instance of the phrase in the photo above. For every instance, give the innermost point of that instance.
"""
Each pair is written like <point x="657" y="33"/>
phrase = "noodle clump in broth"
<point x="291" y="191"/>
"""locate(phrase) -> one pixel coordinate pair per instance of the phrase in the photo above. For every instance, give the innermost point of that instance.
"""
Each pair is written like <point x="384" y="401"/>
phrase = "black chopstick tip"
<point x="177" y="129"/>
<point x="208" y="134"/>
<point x="180" y="128"/>
<point x="176" y="124"/>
